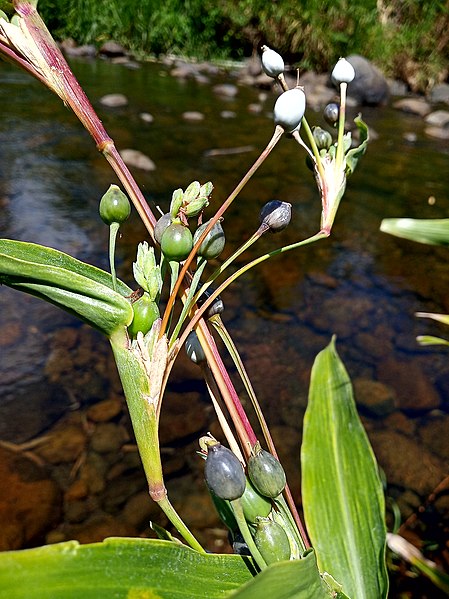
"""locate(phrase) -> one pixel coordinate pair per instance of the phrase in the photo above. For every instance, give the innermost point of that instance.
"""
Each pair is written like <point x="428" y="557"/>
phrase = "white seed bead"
<point x="289" y="109"/>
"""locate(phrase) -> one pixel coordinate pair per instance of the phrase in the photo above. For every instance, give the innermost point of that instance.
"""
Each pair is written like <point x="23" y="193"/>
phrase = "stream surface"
<point x="359" y="284"/>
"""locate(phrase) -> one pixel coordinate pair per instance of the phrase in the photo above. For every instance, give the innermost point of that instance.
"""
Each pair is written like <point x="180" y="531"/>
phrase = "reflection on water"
<point x="359" y="284"/>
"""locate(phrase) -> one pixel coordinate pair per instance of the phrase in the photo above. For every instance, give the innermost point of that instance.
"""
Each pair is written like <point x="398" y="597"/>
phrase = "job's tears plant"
<point x="340" y="550"/>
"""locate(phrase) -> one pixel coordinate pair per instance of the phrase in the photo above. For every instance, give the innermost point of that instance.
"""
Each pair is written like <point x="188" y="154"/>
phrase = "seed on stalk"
<point x="331" y="113"/>
<point x="224" y="473"/>
<point x="272" y="541"/>
<point x="194" y="349"/>
<point x="289" y="109"/>
<point x="266" y="473"/>
<point x="114" y="206"/>
<point x="214" y="242"/>
<point x="272" y="62"/>
<point x="276" y="215"/>
<point x="343" y="72"/>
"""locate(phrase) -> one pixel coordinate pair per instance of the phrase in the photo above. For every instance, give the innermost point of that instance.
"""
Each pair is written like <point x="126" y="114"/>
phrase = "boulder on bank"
<point x="369" y="85"/>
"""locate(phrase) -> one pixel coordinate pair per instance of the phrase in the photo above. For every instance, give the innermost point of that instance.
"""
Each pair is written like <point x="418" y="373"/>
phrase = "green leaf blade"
<point x="342" y="492"/>
<point x="353" y="156"/>
<point x="295" y="579"/>
<point x="120" y="569"/>
<point x="70" y="284"/>
<point x="429" y="231"/>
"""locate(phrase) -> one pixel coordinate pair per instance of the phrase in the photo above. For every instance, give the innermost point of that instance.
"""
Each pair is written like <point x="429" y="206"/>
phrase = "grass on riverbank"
<point x="408" y="39"/>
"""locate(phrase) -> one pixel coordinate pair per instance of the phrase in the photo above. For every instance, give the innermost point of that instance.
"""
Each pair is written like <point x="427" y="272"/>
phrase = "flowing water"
<point x="360" y="284"/>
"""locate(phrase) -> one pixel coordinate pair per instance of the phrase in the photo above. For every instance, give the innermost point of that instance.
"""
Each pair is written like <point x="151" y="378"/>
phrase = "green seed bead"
<point x="176" y="242"/>
<point x="146" y="312"/>
<point x="272" y="541"/>
<point x="114" y="206"/>
<point x="266" y="473"/>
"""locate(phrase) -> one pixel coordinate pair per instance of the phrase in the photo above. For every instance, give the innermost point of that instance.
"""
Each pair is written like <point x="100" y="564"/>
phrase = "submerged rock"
<point x="114" y="100"/>
<point x="30" y="502"/>
<point x="137" y="159"/>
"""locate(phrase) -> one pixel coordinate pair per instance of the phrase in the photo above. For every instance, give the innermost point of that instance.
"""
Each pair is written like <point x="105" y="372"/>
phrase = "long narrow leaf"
<point x="342" y="492"/>
<point x="119" y="569"/>
<point x="75" y="286"/>
<point x="431" y="231"/>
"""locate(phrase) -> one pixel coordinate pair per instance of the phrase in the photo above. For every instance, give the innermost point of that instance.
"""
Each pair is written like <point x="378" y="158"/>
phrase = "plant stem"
<point x="188" y="300"/>
<point x="341" y="126"/>
<point x="113" y="230"/>
<point x="316" y="153"/>
<point x="144" y="417"/>
<point x="177" y="522"/>
<point x="246" y="534"/>
<point x="214" y="395"/>
<point x="243" y="427"/>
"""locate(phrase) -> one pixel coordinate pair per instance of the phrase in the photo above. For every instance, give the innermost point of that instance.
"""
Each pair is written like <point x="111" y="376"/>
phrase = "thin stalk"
<point x="214" y="395"/>
<point x="341" y="126"/>
<point x="316" y="153"/>
<point x="178" y="523"/>
<point x="246" y="534"/>
<point x="199" y="314"/>
<point x="113" y="230"/>
<point x="219" y="326"/>
<point x="278" y="132"/>
<point x="174" y="273"/>
<point x="257" y="235"/>
<point x="242" y="425"/>
<point x="227" y="340"/>
<point x="188" y="301"/>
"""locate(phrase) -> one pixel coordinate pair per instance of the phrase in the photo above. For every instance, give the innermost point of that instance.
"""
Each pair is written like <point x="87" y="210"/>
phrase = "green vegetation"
<point x="408" y="39"/>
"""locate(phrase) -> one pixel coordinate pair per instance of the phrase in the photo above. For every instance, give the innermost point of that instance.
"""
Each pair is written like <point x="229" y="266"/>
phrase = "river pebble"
<point x="193" y="116"/>
<point x="146" y="117"/>
<point x="106" y="410"/>
<point x="108" y="437"/>
<point x="415" y="391"/>
<point x="406" y="463"/>
<point x="137" y="159"/>
<point x="66" y="441"/>
<point x="437" y="132"/>
<point x="114" y="100"/>
<point x="416" y="106"/>
<point x="228" y="90"/>
<point x="376" y="398"/>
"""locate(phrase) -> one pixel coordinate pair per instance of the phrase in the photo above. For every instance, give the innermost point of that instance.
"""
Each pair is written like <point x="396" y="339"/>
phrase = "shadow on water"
<point x="359" y="284"/>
